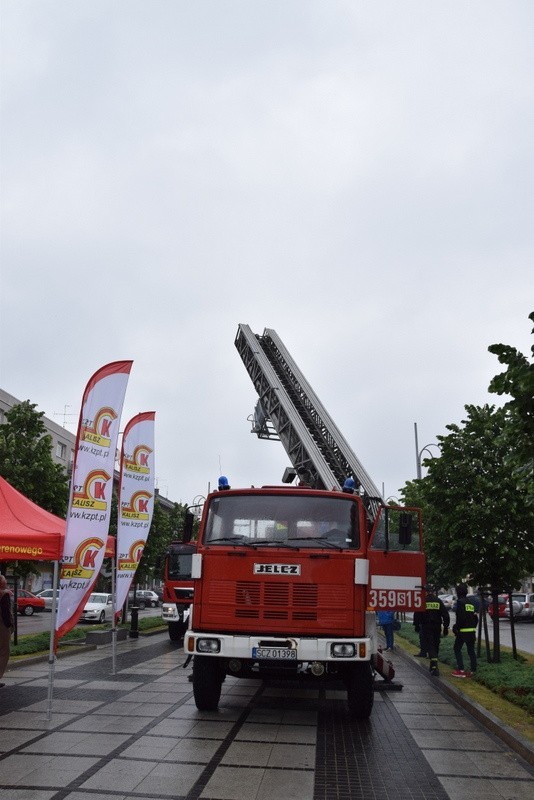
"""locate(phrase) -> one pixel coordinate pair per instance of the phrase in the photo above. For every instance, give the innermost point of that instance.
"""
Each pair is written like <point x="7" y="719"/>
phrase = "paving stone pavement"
<point x="137" y="735"/>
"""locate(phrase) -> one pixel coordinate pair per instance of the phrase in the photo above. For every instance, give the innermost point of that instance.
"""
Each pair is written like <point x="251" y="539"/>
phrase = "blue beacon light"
<point x="223" y="483"/>
<point x="349" y="486"/>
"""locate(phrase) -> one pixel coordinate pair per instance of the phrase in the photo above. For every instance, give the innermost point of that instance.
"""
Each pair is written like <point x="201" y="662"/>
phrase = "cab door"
<point x="397" y="565"/>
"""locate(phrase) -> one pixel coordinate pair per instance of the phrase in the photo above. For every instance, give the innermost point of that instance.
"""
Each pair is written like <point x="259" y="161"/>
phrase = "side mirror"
<point x="188" y="526"/>
<point x="405" y="528"/>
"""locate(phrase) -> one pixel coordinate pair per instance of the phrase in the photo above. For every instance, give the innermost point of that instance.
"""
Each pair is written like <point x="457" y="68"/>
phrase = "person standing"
<point x="465" y="630"/>
<point x="430" y="621"/>
<point x="6" y="625"/>
<point x="386" y="620"/>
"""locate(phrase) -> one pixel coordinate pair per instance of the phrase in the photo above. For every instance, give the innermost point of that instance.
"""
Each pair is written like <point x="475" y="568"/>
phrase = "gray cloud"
<point x="357" y="177"/>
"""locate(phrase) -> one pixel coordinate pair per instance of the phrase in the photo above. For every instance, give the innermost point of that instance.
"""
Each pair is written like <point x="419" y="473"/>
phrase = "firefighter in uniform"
<point x="465" y="631"/>
<point x="429" y="622"/>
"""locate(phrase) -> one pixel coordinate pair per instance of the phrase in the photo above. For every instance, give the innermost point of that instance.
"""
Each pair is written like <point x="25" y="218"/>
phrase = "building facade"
<point x="63" y="441"/>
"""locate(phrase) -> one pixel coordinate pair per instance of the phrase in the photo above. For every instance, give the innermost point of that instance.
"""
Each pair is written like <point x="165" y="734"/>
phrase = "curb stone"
<point x="23" y="661"/>
<point x="70" y="650"/>
<point x="508" y="735"/>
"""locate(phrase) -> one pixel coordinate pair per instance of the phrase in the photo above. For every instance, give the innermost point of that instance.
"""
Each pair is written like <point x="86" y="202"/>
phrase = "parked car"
<point x="145" y="598"/>
<point x="98" y="608"/>
<point x="523" y="606"/>
<point x="47" y="595"/>
<point x="448" y="600"/>
<point x="28" y="603"/>
<point x="503" y="605"/>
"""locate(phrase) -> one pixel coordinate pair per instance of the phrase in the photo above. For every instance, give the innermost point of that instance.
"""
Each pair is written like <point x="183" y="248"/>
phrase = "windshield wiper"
<point x="268" y="542"/>
<point x="230" y="539"/>
<point x="321" y="541"/>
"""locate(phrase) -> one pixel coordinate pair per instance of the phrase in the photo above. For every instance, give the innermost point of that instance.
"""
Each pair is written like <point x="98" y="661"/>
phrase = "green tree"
<point x="517" y="381"/>
<point x="441" y="571"/>
<point x="26" y="459"/>
<point x="478" y="524"/>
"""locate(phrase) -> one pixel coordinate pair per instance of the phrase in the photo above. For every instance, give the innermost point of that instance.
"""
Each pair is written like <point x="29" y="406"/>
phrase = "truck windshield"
<point x="290" y="521"/>
<point x="179" y="565"/>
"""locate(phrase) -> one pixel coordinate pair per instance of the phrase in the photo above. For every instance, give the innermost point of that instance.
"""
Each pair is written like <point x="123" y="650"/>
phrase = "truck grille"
<point x="249" y="600"/>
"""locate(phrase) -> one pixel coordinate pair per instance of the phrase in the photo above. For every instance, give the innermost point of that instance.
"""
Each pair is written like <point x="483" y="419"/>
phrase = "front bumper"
<point x="308" y="649"/>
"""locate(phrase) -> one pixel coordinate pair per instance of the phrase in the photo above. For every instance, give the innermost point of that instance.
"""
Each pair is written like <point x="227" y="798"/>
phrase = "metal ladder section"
<point x="289" y="409"/>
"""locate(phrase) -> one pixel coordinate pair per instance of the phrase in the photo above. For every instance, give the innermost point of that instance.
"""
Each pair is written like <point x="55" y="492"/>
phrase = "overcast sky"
<point x="356" y="175"/>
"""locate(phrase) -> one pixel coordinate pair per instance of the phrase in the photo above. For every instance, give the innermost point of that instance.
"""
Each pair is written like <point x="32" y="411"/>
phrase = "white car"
<point x="47" y="595"/>
<point x="523" y="606"/>
<point x="448" y="600"/>
<point x="98" y="608"/>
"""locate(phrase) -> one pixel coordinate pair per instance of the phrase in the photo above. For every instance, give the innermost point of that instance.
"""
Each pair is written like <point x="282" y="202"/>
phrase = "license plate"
<point x="279" y="653"/>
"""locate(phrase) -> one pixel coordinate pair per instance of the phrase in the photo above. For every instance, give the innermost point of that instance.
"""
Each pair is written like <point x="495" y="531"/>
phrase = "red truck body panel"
<point x="321" y="600"/>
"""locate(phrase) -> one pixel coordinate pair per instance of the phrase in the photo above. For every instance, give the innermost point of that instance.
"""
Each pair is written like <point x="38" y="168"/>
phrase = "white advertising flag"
<point x="91" y="490"/>
<point x="136" y="502"/>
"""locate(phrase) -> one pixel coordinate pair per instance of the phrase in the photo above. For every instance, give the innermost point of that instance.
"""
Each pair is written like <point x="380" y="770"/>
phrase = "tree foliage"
<point x="476" y="521"/>
<point x="26" y="459"/>
<point x="517" y="381"/>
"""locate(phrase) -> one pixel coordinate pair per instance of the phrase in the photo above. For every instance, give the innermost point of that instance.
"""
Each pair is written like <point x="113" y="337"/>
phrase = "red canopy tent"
<point x="27" y="531"/>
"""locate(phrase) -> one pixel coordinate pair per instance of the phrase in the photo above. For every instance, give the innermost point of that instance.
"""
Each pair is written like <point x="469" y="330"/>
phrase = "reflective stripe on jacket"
<point x="466" y="616"/>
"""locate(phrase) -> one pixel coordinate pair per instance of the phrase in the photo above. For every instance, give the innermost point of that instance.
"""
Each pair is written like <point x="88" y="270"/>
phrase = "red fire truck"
<point x="177" y="588"/>
<point x="287" y="581"/>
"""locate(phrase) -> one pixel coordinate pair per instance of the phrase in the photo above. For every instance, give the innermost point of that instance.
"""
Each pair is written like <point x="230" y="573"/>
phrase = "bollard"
<point x="134" y="623"/>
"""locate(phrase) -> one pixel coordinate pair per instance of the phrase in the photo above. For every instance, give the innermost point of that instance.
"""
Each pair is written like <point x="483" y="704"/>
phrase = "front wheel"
<point x="360" y="691"/>
<point x="207" y="682"/>
<point x="28" y="611"/>
<point x="102" y="617"/>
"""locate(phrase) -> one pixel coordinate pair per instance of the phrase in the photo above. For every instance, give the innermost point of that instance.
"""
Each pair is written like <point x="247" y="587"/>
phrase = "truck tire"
<point x="207" y="682"/>
<point x="176" y="631"/>
<point x="360" y="691"/>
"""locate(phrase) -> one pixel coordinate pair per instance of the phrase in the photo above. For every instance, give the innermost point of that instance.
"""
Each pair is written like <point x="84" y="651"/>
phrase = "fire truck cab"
<point x="287" y="581"/>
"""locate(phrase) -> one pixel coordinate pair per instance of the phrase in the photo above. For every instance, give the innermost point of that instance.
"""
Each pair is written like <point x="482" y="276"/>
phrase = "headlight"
<point x="343" y="650"/>
<point x="167" y="609"/>
<point x="208" y="645"/>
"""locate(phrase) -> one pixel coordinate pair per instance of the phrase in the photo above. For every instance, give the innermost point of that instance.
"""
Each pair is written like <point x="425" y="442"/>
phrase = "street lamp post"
<point x="197" y="504"/>
<point x="419" y="453"/>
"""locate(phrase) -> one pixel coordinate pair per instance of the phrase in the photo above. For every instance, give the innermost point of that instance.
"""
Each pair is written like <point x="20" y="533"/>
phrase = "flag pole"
<point x="114" y="611"/>
<point x="51" y="653"/>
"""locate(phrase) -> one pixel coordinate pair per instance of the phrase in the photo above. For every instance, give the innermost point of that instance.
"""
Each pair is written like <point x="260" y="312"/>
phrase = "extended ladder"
<point x="288" y="409"/>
